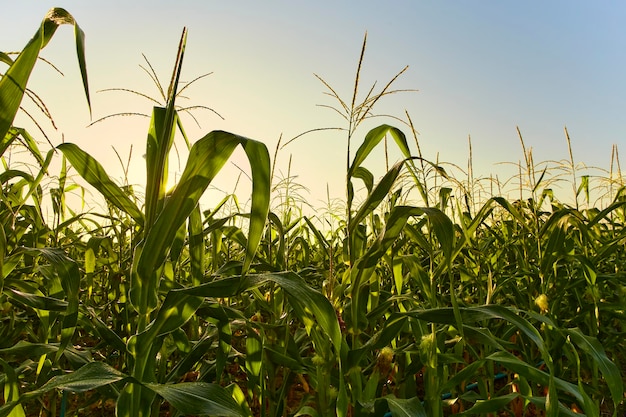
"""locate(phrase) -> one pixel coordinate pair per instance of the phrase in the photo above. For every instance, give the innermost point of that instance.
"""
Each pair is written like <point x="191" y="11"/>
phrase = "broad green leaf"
<point x="196" y="246"/>
<point x="399" y="215"/>
<point x="11" y="408"/>
<point x="35" y="301"/>
<point x="29" y="141"/>
<point x="283" y="359"/>
<point x="105" y="332"/>
<point x="310" y="305"/>
<point x="3" y="254"/>
<point x="532" y="373"/>
<point x="592" y="347"/>
<point x="254" y="358"/>
<point x="468" y="373"/>
<point x="372" y="139"/>
<point x="401" y="407"/>
<point x="158" y="145"/>
<point x="377" y="195"/>
<point x="91" y="376"/>
<point x="160" y="140"/>
<point x="367" y="177"/>
<point x="306" y="411"/>
<point x="492" y="405"/>
<point x="175" y="311"/>
<point x="69" y="275"/>
<point x="540" y="402"/>
<point x="514" y="212"/>
<point x="199" y="398"/>
<point x="96" y="175"/>
<point x="13" y="82"/>
<point x="6" y="59"/>
<point x="445" y="315"/>
<point x="206" y="158"/>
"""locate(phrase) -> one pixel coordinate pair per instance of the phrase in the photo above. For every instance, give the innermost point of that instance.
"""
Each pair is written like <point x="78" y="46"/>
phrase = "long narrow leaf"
<point x="199" y="398"/>
<point x="95" y="174"/>
<point x="13" y="82"/>
<point x="206" y="158"/>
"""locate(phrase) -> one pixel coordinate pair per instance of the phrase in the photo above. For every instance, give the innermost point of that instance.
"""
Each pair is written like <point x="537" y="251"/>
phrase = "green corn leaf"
<point x="3" y="254"/>
<point x="400" y="407"/>
<point x="199" y="398"/>
<point x="11" y="408"/>
<point x="175" y="311"/>
<point x="466" y="374"/>
<point x="196" y="246"/>
<point x="377" y="195"/>
<point x="592" y="347"/>
<point x="279" y="253"/>
<point x="6" y="59"/>
<point x="532" y="373"/>
<point x="206" y="158"/>
<point x="13" y="82"/>
<point x="372" y="139"/>
<point x="105" y="332"/>
<point x="514" y="212"/>
<point x="399" y="215"/>
<point x="95" y="174"/>
<point x="540" y="402"/>
<point x="38" y="302"/>
<point x="187" y="363"/>
<point x="69" y="275"/>
<point x="604" y="214"/>
<point x="160" y="140"/>
<point x="365" y="175"/>
<point x="90" y="376"/>
<point x="306" y="411"/>
<point x="476" y="314"/>
<point x="310" y="305"/>
<point x="29" y="141"/>
<point x="292" y="362"/>
<point x="254" y="358"/>
<point x="158" y="145"/>
<point x="491" y="405"/>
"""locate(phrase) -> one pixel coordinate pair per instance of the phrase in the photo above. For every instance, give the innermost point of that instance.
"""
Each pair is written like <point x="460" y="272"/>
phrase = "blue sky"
<point x="481" y="67"/>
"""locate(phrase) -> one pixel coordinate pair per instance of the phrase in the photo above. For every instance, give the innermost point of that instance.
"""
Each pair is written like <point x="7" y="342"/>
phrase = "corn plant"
<point x="155" y="305"/>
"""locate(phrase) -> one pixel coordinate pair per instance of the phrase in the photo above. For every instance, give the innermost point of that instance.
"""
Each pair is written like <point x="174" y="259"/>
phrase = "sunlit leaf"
<point x="199" y="398"/>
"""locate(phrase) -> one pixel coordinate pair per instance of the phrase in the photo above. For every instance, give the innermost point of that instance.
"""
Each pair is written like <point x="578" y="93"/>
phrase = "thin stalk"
<point x="572" y="167"/>
<point x="470" y="175"/>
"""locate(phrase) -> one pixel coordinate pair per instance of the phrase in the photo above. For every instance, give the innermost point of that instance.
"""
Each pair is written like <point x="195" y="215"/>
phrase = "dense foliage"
<point x="157" y="306"/>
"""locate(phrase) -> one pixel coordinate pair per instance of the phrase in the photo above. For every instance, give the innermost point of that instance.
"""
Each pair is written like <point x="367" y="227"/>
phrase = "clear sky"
<point x="481" y="67"/>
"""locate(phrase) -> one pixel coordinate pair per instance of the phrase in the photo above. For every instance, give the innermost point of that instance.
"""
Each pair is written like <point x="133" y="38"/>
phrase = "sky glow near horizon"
<point x="481" y="68"/>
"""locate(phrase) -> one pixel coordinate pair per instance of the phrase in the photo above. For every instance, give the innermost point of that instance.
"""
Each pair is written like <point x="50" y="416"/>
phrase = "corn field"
<point x="423" y="293"/>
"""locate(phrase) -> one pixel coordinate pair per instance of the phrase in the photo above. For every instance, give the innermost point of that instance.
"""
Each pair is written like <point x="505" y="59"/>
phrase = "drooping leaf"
<point x="372" y="139"/>
<point x="91" y="376"/>
<point x="592" y="347"/>
<point x="206" y="158"/>
<point x="310" y="305"/>
<point x="399" y="215"/>
<point x="532" y="373"/>
<point x="400" y="407"/>
<point x="491" y="405"/>
<point x="13" y="82"/>
<point x="199" y="398"/>
<point x="35" y="301"/>
<point x="377" y="195"/>
<point x="95" y="174"/>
